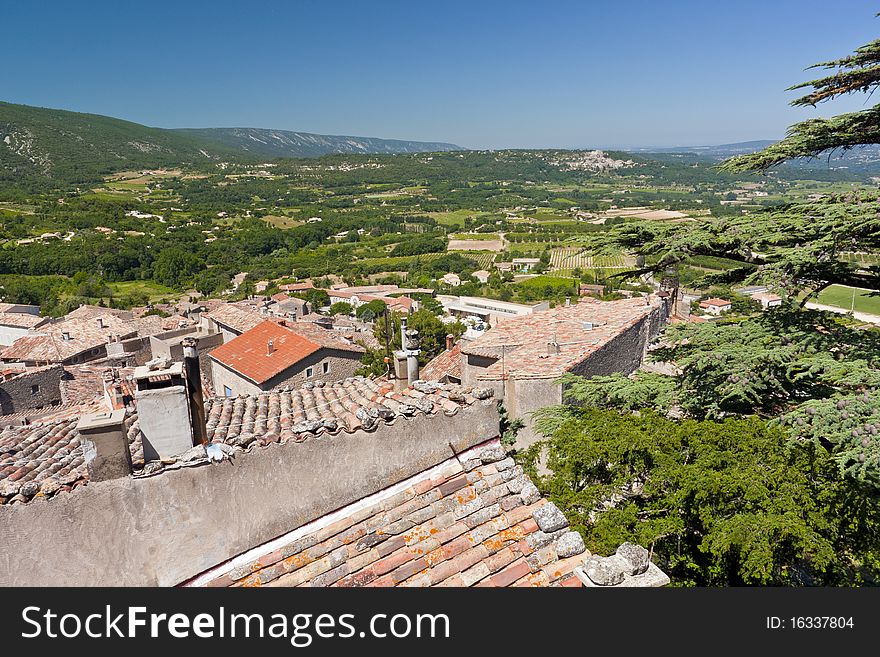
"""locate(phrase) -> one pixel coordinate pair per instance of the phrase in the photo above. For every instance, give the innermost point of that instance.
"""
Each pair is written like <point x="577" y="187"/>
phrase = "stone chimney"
<point x="65" y="335"/>
<point x="100" y="321"/>
<point x="105" y="445"/>
<point x="450" y="341"/>
<point x="163" y="409"/>
<point x="552" y="348"/>
<point x="270" y="347"/>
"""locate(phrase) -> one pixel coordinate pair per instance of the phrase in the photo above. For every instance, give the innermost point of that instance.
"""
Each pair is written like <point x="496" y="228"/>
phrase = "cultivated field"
<point x="476" y="245"/>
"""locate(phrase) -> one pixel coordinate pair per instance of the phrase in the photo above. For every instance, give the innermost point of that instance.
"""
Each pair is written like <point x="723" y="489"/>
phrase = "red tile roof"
<point x="446" y="363"/>
<point x="474" y="520"/>
<point x="45" y="457"/>
<point x="249" y="354"/>
<point x="579" y="330"/>
<point x="714" y="302"/>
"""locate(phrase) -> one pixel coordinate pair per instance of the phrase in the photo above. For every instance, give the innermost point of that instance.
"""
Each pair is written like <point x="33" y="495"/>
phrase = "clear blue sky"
<point x="478" y="73"/>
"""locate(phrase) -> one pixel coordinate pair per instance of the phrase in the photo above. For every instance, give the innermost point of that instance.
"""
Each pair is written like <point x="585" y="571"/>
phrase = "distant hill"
<point x="720" y="151"/>
<point x="265" y="142"/>
<point x="863" y="159"/>
<point x="70" y="147"/>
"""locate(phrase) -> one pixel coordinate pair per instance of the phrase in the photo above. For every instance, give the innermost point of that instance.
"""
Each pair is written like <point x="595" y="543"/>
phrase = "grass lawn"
<point x="841" y="296"/>
<point x="151" y="288"/>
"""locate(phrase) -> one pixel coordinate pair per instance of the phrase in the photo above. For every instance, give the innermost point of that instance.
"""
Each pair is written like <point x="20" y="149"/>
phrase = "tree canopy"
<point x="718" y="503"/>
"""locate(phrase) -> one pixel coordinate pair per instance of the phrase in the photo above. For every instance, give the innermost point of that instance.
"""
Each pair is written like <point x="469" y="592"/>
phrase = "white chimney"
<point x="65" y="335"/>
<point x="567" y="301"/>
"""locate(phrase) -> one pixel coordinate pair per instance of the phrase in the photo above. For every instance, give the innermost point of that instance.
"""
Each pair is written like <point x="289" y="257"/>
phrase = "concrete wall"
<point x="165" y="529"/>
<point x="18" y="394"/>
<point x="524" y="396"/>
<point x="9" y="334"/>
<point x="343" y="364"/>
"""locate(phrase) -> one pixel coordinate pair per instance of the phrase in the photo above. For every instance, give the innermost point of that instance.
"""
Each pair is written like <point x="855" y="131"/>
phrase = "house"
<point x="522" y="358"/>
<point x="451" y="279"/>
<point x="504" y="266"/>
<point x="30" y="389"/>
<point x="80" y="336"/>
<point x="230" y="319"/>
<point x="15" y="325"/>
<point x="715" y="306"/>
<point x="525" y="264"/>
<point x="296" y="287"/>
<point x="590" y="289"/>
<point x="287" y="306"/>
<point x="481" y="275"/>
<point x="445" y="367"/>
<point x="768" y="299"/>
<point x="274" y="354"/>
<point x="488" y="310"/>
<point x="345" y="484"/>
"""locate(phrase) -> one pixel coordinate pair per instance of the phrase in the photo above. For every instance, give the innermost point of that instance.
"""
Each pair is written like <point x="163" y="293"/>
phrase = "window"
<point x="227" y="391"/>
<point x="35" y="390"/>
<point x="310" y="371"/>
<point x="325" y="367"/>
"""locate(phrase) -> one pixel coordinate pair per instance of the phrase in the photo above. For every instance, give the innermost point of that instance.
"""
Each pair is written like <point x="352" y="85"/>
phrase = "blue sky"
<point x="480" y="74"/>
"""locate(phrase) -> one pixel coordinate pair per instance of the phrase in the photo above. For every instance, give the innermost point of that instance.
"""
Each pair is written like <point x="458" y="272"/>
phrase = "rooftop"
<point x="86" y="328"/>
<point x="474" y="520"/>
<point x="579" y="330"/>
<point x="21" y="320"/>
<point x="264" y="351"/>
<point x="45" y="458"/>
<point x="446" y="363"/>
<point x="715" y="301"/>
<point x="238" y="318"/>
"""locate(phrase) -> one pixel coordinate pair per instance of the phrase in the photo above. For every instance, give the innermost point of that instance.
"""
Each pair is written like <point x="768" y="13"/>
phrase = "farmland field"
<point x="841" y="296"/>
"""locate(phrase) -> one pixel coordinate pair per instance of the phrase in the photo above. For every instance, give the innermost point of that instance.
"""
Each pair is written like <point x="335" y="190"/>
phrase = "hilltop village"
<point x="444" y="342"/>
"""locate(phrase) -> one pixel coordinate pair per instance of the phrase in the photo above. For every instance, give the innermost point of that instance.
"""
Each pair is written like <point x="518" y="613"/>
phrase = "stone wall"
<point x="31" y="389"/>
<point x="165" y="529"/>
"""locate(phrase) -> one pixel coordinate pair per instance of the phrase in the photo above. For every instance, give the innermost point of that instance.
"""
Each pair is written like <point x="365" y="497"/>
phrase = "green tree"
<point x="341" y="308"/>
<point x="174" y="267"/>
<point x="719" y="503"/>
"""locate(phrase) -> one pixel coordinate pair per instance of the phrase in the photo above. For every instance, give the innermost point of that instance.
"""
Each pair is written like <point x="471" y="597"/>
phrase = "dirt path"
<point x="863" y="317"/>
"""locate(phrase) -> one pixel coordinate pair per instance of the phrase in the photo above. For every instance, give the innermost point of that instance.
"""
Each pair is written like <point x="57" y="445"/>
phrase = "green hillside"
<point x="73" y="148"/>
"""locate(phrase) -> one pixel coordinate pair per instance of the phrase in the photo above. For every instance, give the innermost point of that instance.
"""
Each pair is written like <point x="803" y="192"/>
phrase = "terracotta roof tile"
<point x="49" y="452"/>
<point x="264" y="351"/>
<point x="438" y="530"/>
<point x="579" y="330"/>
<point x="238" y="318"/>
<point x="446" y="363"/>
